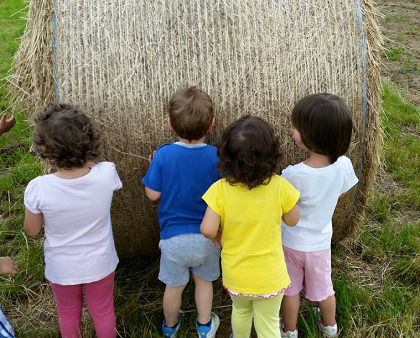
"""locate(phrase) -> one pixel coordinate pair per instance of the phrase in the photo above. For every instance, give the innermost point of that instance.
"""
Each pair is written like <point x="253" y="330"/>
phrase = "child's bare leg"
<point x="290" y="309"/>
<point x="203" y="299"/>
<point x="327" y="307"/>
<point x="172" y="299"/>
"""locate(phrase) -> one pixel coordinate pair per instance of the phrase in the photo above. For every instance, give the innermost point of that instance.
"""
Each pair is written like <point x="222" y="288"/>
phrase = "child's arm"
<point x="210" y="227"/>
<point x="33" y="223"/>
<point x="8" y="265"/>
<point x="343" y="194"/>
<point x="150" y="158"/>
<point x="292" y="217"/>
<point x="152" y="195"/>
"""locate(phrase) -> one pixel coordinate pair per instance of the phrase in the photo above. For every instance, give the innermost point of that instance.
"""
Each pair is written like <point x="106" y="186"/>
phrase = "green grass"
<point x="12" y="26"/>
<point x="376" y="277"/>
<point x="402" y="127"/>
<point x="401" y="17"/>
<point x="395" y="53"/>
<point x="401" y="36"/>
<point x="366" y="311"/>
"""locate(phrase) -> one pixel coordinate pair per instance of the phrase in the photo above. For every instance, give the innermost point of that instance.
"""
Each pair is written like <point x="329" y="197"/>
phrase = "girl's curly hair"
<point x="65" y="136"/>
<point x="249" y="152"/>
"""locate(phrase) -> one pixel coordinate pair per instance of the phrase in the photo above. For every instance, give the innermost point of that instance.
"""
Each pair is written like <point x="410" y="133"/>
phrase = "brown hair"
<point x="325" y="124"/>
<point x="249" y="152"/>
<point x="191" y="113"/>
<point x="65" y="136"/>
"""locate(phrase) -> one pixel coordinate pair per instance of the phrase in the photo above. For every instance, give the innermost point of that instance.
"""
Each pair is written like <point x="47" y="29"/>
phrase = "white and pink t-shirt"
<point x="79" y="245"/>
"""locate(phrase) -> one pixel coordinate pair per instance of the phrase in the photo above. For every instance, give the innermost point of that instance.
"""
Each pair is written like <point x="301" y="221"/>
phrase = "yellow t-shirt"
<point x="252" y="254"/>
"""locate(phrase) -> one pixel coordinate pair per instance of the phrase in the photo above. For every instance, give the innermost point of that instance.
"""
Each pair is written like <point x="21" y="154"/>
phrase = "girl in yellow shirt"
<point x="243" y="216"/>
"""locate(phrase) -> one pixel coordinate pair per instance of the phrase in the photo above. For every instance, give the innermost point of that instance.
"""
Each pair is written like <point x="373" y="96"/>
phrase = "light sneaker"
<point x="287" y="334"/>
<point x="326" y="331"/>
<point x="171" y="332"/>
<point x="208" y="331"/>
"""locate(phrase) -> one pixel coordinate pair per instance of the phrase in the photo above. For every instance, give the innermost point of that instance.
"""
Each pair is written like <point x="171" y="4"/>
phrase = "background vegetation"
<point x="376" y="275"/>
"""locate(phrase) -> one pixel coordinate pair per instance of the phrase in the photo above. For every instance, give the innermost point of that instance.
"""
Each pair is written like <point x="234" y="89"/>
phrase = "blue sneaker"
<point x="208" y="331"/>
<point x="171" y="332"/>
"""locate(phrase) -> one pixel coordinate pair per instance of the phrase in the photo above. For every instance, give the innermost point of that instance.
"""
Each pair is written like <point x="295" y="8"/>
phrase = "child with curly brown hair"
<point x="248" y="205"/>
<point x="73" y="205"/>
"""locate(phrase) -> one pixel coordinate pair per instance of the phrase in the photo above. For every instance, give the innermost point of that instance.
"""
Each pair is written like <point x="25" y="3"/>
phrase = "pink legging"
<point x="100" y="303"/>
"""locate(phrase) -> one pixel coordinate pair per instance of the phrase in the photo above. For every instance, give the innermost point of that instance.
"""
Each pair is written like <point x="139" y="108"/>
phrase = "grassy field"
<point x="376" y="275"/>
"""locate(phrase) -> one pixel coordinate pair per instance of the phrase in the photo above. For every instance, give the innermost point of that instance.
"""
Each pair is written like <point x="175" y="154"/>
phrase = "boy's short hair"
<point x="65" y="136"/>
<point x="325" y="124"/>
<point x="249" y="152"/>
<point x="191" y="113"/>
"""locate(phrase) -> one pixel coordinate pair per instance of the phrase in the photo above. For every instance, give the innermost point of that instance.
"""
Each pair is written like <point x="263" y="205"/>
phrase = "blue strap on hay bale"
<point x="57" y="98"/>
<point x="364" y="60"/>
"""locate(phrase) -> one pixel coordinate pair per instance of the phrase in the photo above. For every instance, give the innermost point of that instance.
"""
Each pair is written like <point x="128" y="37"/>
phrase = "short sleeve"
<point x="31" y="198"/>
<point x="153" y="177"/>
<point x="350" y="177"/>
<point x="290" y="196"/>
<point x="287" y="172"/>
<point x="117" y="180"/>
<point x="212" y="198"/>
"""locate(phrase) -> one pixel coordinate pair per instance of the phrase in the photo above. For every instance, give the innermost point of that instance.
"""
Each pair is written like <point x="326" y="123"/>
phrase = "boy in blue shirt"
<point x="179" y="174"/>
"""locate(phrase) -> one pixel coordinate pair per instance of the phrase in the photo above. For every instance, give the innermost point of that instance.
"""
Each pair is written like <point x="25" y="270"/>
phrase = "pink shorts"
<point x="311" y="272"/>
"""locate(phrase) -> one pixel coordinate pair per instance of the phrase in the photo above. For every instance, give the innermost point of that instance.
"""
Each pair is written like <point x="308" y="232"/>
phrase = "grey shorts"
<point x="186" y="252"/>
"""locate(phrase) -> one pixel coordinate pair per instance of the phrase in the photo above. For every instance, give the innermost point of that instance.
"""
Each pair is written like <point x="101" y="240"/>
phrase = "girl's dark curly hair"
<point x="65" y="136"/>
<point x="249" y="152"/>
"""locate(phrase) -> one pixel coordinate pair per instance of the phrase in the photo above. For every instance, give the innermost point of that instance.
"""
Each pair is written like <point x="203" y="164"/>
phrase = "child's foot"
<point x="287" y="334"/>
<point x="205" y="331"/>
<point x="326" y="331"/>
<point x="171" y="332"/>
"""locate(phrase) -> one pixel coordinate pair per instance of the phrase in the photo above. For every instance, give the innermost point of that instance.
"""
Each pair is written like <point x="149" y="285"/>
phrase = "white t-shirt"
<point x="319" y="189"/>
<point x="79" y="245"/>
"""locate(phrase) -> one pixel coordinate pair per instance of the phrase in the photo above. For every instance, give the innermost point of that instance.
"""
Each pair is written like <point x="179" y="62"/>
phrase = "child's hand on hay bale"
<point x="6" y="124"/>
<point x="8" y="265"/>
<point x="150" y="158"/>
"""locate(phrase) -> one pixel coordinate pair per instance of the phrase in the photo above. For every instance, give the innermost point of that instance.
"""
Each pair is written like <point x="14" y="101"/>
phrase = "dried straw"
<point x="121" y="60"/>
<point x="32" y="70"/>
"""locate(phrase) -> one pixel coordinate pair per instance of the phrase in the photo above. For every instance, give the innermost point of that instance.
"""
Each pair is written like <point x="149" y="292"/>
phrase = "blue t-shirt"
<point x="182" y="173"/>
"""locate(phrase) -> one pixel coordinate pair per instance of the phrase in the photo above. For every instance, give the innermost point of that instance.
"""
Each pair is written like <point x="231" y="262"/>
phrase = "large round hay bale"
<point x="121" y="61"/>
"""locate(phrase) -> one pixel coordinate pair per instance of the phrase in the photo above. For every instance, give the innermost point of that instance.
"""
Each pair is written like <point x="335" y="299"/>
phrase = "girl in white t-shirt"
<point x="323" y="127"/>
<point x="73" y="204"/>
